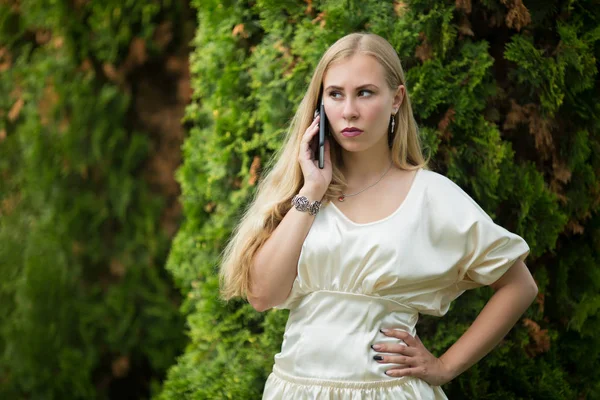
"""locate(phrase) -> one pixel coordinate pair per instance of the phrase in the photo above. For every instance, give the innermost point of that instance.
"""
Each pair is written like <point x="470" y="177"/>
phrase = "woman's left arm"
<point x="514" y="293"/>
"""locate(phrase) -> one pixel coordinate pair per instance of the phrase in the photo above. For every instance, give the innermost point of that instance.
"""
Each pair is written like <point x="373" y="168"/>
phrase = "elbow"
<point x="259" y="304"/>
<point x="532" y="287"/>
<point x="534" y="290"/>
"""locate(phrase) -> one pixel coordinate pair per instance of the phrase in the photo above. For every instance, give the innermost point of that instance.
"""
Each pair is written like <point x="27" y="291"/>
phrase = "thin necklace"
<point x="343" y="196"/>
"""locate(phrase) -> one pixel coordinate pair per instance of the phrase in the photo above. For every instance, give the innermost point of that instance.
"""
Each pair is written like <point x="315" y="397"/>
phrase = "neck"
<point x="364" y="168"/>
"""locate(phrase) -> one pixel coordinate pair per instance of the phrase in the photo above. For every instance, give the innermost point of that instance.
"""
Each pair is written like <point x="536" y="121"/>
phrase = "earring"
<point x="393" y="124"/>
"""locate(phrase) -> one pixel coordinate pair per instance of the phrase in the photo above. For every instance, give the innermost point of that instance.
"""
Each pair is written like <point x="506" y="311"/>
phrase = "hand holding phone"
<point x="320" y="153"/>
<point x="314" y="153"/>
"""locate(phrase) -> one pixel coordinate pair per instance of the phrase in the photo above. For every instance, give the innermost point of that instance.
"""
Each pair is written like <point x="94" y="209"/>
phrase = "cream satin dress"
<point x="354" y="279"/>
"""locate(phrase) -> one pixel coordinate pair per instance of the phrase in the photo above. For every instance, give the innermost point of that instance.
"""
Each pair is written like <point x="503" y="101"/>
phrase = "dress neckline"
<point x="396" y="211"/>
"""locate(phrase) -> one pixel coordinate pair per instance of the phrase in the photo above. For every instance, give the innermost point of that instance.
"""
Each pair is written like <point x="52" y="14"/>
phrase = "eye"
<point x="333" y="94"/>
<point x="368" y="92"/>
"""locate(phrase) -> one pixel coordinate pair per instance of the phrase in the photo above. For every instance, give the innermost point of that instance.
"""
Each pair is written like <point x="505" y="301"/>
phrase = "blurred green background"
<point x="132" y="135"/>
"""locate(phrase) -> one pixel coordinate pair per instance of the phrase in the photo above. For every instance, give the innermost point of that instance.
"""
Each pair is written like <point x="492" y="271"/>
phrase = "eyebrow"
<point x="358" y="88"/>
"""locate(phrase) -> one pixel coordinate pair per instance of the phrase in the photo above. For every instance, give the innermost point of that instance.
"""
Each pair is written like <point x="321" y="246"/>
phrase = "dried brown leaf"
<point x="464" y="5"/>
<point x="117" y="268"/>
<point x="210" y="206"/>
<point x="15" y="110"/>
<point x="445" y="122"/>
<point x="400" y="8"/>
<point x="163" y="35"/>
<point x="57" y="42"/>
<point x="575" y="227"/>
<point x="518" y="15"/>
<point x="539" y="127"/>
<point x="112" y="73"/>
<point x="541" y="339"/>
<point x="9" y="204"/>
<point x="561" y="171"/>
<point x="464" y="27"/>
<point x="320" y="19"/>
<point x="120" y="367"/>
<point x="424" y="51"/>
<point x="517" y="115"/>
<point x="43" y="36"/>
<point x="137" y="53"/>
<point x="86" y="65"/>
<point x="5" y="59"/>
<point x="238" y="30"/>
<point x="254" y="168"/>
<point x="176" y="64"/>
<point x="540" y="300"/>
<point x="557" y="188"/>
<point x="309" y="7"/>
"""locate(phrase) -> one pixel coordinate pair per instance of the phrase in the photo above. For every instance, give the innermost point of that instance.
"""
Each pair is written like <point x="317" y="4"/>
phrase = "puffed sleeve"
<point x="490" y="250"/>
<point x="478" y="250"/>
<point x="296" y="294"/>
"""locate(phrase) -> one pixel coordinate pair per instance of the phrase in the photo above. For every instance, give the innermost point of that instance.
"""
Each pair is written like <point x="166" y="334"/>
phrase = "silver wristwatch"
<point x="302" y="204"/>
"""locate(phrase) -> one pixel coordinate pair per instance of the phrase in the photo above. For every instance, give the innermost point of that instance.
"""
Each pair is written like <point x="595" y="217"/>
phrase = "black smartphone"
<point x="320" y="151"/>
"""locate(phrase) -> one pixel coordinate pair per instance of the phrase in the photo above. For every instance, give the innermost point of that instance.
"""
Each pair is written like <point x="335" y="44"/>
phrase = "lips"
<point x="351" y="132"/>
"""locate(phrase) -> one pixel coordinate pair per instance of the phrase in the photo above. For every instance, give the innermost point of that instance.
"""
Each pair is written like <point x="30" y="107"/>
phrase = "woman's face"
<point x="357" y="96"/>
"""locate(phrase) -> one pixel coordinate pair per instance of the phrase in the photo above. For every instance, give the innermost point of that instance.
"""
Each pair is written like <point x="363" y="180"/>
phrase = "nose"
<point x="350" y="110"/>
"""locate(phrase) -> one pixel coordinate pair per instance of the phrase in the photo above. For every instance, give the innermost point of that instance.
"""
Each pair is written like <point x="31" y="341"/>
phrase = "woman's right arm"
<point x="275" y="264"/>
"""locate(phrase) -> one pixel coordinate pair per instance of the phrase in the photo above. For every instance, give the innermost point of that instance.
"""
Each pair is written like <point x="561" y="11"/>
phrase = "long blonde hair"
<point x="284" y="179"/>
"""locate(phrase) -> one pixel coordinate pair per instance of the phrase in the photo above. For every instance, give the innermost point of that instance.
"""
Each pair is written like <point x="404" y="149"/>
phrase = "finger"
<point x="310" y="131"/>
<point x="393" y="359"/>
<point x="411" y="371"/>
<point x="306" y="141"/>
<point x="403" y="335"/>
<point x="314" y="123"/>
<point x="395" y="348"/>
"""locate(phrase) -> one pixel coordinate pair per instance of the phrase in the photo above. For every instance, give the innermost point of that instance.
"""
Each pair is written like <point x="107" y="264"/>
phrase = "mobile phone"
<point x="322" y="130"/>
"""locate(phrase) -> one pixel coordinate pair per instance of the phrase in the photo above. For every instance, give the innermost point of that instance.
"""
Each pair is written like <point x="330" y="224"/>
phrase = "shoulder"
<point x="438" y="187"/>
<point x="447" y="198"/>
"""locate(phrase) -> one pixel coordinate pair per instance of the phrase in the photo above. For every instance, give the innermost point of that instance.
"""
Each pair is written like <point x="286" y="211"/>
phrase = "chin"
<point x="355" y="147"/>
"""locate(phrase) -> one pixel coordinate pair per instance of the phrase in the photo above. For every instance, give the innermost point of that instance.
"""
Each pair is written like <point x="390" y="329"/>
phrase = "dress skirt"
<point x="281" y="386"/>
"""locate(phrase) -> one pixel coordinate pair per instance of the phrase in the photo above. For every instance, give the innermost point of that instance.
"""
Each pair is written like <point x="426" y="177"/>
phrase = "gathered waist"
<point x="329" y="336"/>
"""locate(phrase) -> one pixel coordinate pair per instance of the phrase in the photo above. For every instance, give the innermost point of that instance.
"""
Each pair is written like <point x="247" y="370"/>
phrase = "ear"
<point x="398" y="97"/>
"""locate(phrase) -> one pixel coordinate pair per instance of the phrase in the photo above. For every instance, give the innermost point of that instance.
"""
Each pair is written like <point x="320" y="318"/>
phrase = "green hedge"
<point x="86" y="308"/>
<point x="506" y="96"/>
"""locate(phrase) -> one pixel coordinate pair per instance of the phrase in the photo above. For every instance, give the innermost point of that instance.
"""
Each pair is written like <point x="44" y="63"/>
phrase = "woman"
<point x="392" y="240"/>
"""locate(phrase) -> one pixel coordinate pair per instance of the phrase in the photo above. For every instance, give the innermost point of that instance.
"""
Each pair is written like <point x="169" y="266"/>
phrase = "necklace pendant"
<point x="341" y="198"/>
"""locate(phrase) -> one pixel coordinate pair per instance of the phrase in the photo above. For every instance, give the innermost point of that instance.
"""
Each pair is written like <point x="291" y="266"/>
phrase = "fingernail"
<point x="384" y="330"/>
<point x="376" y="347"/>
<point x="387" y="373"/>
<point x="377" y="358"/>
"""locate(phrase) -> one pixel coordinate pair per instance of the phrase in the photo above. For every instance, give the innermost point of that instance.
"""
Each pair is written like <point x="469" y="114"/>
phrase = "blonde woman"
<point x="357" y="249"/>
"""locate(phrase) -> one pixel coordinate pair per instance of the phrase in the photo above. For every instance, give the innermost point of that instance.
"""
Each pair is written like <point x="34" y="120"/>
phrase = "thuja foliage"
<point x="86" y="308"/>
<point x="506" y="95"/>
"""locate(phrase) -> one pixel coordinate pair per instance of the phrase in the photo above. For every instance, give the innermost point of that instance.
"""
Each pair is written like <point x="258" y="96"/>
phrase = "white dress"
<point x="354" y="279"/>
